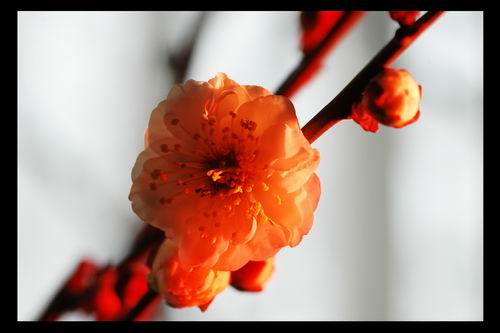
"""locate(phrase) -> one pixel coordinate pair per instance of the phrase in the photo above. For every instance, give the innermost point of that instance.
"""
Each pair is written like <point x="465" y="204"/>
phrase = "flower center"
<point x="226" y="176"/>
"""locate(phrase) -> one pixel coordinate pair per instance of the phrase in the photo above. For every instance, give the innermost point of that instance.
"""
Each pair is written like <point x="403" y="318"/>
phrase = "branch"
<point x="340" y="107"/>
<point x="311" y="61"/>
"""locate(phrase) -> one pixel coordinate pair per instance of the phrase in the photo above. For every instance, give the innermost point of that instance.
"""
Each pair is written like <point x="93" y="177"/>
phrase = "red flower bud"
<point x="107" y="304"/>
<point x="253" y="275"/>
<point x="82" y="278"/>
<point x="404" y="18"/>
<point x="391" y="98"/>
<point x="137" y="285"/>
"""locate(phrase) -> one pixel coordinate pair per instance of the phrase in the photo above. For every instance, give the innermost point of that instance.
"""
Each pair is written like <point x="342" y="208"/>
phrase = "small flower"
<point x="253" y="276"/>
<point x="404" y="18"/>
<point x="227" y="174"/>
<point x="391" y="98"/>
<point x="181" y="288"/>
<point x="117" y="292"/>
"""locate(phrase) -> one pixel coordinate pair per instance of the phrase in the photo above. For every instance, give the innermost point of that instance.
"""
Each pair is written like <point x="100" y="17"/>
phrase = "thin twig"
<point x="340" y="107"/>
<point x="143" y="303"/>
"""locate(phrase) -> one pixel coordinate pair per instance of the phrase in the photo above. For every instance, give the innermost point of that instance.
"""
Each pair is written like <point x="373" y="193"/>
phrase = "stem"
<point x="311" y="61"/>
<point x="143" y="303"/>
<point x="340" y="107"/>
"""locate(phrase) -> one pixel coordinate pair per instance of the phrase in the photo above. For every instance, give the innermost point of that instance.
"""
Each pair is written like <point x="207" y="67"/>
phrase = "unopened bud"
<point x="404" y="18"/>
<point x="391" y="98"/>
<point x="82" y="278"/>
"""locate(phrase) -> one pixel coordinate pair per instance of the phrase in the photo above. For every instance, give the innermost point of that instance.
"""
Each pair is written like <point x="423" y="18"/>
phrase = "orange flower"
<point x="182" y="288"/>
<point x="227" y="174"/>
<point x="253" y="275"/>
<point x="391" y="98"/>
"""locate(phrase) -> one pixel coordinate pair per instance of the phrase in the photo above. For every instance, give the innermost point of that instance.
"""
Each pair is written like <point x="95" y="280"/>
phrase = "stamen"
<point x="278" y="199"/>
<point x="178" y="150"/>
<point x="196" y="137"/>
<point x="215" y="174"/>
<point x="265" y="187"/>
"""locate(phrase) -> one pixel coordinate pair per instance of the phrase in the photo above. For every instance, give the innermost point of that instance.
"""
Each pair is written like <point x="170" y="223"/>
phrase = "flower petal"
<point x="267" y="111"/>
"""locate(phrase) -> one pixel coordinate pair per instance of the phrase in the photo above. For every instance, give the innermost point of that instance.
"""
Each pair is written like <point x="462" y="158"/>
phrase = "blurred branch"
<point x="340" y="107"/>
<point x="311" y="61"/>
<point x="180" y="60"/>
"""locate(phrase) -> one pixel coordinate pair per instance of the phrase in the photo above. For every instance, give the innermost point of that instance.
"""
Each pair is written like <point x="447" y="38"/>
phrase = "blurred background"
<point x="398" y="232"/>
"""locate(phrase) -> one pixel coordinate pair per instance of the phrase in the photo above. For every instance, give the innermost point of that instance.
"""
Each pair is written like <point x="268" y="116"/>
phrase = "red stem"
<point x="311" y="61"/>
<point x="340" y="107"/>
<point x="143" y="303"/>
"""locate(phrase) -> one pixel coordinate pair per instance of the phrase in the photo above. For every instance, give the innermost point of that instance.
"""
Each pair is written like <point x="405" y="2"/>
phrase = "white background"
<point x="398" y="231"/>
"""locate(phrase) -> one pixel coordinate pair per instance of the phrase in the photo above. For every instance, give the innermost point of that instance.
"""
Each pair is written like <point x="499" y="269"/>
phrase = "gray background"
<point x="398" y="231"/>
